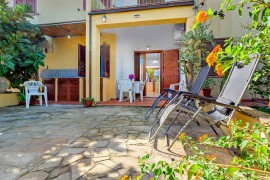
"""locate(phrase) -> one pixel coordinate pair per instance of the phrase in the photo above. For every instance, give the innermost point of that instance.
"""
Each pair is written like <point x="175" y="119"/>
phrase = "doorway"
<point x="160" y="68"/>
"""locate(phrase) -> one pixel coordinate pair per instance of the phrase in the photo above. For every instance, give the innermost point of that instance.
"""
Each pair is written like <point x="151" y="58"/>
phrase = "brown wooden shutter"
<point x="105" y="60"/>
<point x="137" y="66"/>
<point x="81" y="60"/>
<point x="84" y="5"/>
<point x="169" y="68"/>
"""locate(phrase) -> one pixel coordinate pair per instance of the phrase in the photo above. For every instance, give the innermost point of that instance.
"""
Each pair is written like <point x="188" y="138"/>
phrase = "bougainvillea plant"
<point x="252" y="161"/>
<point x="257" y="41"/>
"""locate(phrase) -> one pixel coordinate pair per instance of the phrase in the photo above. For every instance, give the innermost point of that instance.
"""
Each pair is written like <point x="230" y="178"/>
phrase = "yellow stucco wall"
<point x="11" y="99"/>
<point x="63" y="53"/>
<point x="109" y="84"/>
<point x="54" y="11"/>
<point x="169" y="15"/>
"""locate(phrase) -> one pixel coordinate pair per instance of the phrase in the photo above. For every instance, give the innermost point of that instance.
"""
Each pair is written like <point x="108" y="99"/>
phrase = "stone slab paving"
<point x="72" y="142"/>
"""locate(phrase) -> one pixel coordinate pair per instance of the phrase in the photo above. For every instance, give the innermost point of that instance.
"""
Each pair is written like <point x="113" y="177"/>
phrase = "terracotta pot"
<point x="207" y="92"/>
<point x="88" y="103"/>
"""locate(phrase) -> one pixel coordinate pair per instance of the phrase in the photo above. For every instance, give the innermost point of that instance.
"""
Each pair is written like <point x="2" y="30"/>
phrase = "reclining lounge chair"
<point x="168" y="94"/>
<point x="224" y="106"/>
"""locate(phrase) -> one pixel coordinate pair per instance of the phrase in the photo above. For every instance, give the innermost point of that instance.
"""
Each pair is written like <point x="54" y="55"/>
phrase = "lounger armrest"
<point x="169" y="90"/>
<point x="209" y="100"/>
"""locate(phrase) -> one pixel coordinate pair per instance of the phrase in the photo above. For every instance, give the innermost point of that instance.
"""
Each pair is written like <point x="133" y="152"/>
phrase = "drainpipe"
<point x="90" y="55"/>
<point x="195" y="9"/>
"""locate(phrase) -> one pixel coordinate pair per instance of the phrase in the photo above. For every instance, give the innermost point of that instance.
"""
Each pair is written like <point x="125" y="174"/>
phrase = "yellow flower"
<point x="125" y="177"/>
<point x="268" y="104"/>
<point x="202" y="16"/>
<point x="211" y="59"/>
<point x="203" y="137"/>
<point x="181" y="136"/>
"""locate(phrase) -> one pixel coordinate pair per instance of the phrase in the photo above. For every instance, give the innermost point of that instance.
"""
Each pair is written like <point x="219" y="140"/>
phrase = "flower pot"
<point x="207" y="92"/>
<point x="88" y="103"/>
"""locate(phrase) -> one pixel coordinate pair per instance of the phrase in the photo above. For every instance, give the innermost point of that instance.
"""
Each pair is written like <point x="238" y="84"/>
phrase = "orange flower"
<point x="211" y="59"/>
<point x="199" y="173"/>
<point x="268" y="104"/>
<point x="203" y="137"/>
<point x="216" y="49"/>
<point x="219" y="70"/>
<point x="202" y="16"/>
<point x="181" y="136"/>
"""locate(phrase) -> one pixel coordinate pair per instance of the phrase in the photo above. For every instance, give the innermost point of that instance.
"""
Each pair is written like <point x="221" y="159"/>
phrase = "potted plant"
<point x="208" y="85"/>
<point x="88" y="102"/>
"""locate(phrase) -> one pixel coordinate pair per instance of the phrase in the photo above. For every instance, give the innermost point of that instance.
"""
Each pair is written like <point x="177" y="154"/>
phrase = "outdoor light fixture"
<point x="104" y="18"/>
<point x="147" y="48"/>
<point x="155" y="62"/>
<point x="68" y="35"/>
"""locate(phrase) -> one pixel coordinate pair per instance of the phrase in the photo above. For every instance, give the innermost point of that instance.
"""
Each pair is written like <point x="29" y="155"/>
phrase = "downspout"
<point x="195" y="7"/>
<point x="90" y="55"/>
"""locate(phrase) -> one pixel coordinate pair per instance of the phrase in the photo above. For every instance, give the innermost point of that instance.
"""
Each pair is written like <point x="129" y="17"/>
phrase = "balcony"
<point x="99" y="6"/>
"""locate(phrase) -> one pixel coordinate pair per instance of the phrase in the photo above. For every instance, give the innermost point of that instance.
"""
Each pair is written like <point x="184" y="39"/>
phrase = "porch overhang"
<point x="63" y="29"/>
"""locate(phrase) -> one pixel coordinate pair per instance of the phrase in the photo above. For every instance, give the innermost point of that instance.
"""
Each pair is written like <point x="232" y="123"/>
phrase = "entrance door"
<point x="169" y="68"/>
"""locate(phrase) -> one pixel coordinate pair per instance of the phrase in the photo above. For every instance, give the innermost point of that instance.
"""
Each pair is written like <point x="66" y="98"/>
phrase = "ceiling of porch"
<point x="63" y="29"/>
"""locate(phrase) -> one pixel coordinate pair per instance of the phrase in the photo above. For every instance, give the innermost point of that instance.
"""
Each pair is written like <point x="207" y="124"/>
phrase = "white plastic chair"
<point x="173" y="87"/>
<point x="125" y="85"/>
<point x="140" y="91"/>
<point x="34" y="88"/>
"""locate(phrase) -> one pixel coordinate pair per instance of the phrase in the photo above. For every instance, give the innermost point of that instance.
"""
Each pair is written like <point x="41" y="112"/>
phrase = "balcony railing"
<point x="100" y="5"/>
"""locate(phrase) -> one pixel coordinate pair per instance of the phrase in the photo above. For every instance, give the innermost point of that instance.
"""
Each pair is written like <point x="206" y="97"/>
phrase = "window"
<point x="32" y="3"/>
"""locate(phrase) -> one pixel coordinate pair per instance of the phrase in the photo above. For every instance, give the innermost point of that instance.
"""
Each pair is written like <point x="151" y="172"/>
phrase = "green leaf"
<point x="157" y="172"/>
<point x="192" y="170"/>
<point x="243" y="144"/>
<point x="232" y="170"/>
<point x="209" y="12"/>
<point x="240" y="10"/>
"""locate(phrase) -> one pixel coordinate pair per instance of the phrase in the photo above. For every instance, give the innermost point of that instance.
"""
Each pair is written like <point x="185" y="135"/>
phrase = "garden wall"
<point x="9" y="99"/>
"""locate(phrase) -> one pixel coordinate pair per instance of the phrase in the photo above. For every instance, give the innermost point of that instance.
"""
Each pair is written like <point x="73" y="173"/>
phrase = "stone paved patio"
<point x="71" y="142"/>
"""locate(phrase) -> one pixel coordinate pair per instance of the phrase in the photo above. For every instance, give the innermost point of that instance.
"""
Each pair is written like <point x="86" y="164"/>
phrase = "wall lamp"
<point x="104" y="18"/>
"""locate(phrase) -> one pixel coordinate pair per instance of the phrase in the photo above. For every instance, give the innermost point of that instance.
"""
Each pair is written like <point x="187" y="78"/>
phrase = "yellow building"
<point x="94" y="43"/>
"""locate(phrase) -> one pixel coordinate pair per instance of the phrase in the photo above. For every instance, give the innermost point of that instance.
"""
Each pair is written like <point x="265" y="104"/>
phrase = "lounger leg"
<point x="166" y="132"/>
<point x="153" y="106"/>
<point x="157" y="115"/>
<point x="184" y="127"/>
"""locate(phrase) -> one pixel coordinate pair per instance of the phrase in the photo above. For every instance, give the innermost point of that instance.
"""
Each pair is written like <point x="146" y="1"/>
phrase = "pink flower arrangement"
<point x="131" y="76"/>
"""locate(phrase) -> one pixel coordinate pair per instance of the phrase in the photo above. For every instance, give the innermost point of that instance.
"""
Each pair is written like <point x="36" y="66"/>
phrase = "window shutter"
<point x="84" y="5"/>
<point x="81" y="60"/>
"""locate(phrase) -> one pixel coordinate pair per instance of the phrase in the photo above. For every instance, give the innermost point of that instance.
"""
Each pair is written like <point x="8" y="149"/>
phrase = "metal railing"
<point x="99" y="5"/>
